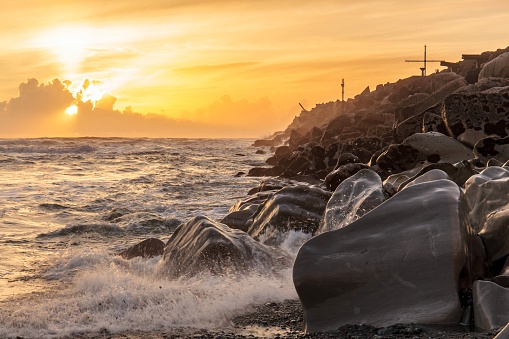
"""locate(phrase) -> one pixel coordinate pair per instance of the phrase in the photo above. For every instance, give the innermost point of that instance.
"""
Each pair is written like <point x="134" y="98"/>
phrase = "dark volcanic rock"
<point x="492" y="148"/>
<point x="400" y="263"/>
<point x="472" y="117"/>
<point x="148" y="248"/>
<point x="292" y="208"/>
<point x="205" y="245"/>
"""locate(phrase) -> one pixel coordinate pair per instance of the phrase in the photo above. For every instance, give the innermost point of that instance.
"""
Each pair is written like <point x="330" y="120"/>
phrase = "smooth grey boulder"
<point x="491" y="305"/>
<point x="353" y="198"/>
<point x="431" y="175"/>
<point x="399" y="263"/>
<point x="202" y="244"/>
<point x="297" y="208"/>
<point x="485" y="193"/>
<point x="459" y="173"/>
<point x="436" y="147"/>
<point x="498" y="67"/>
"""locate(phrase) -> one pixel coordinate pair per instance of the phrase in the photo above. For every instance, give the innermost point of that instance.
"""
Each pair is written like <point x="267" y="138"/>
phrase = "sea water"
<point x="69" y="205"/>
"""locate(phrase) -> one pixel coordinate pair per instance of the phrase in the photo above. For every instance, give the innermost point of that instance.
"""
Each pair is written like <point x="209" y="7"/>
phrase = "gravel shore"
<point x="285" y="320"/>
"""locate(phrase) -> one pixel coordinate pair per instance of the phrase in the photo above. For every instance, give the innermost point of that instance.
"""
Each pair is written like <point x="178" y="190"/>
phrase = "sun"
<point x="71" y="110"/>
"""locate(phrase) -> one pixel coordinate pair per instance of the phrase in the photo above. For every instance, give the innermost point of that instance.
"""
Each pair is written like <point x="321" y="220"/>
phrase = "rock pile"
<point x="404" y="193"/>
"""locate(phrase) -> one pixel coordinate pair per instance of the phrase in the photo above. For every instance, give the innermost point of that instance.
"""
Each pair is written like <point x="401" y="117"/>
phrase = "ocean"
<point x="59" y="234"/>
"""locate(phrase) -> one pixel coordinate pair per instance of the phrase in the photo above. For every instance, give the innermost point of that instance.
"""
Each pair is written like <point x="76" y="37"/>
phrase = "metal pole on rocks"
<point x="423" y="69"/>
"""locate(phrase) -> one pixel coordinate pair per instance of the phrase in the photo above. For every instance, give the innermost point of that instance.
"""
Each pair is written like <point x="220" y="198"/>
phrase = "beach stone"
<point x="492" y="148"/>
<point x="297" y="208"/>
<point x="472" y="117"/>
<point x="148" y="248"/>
<point x="334" y="178"/>
<point x="436" y="147"/>
<point x="431" y="175"/>
<point x="458" y="173"/>
<point x="202" y="244"/>
<point x="491" y="305"/>
<point x="353" y="198"/>
<point x="485" y="193"/>
<point x="240" y="213"/>
<point x="498" y="67"/>
<point x="399" y="263"/>
<point x="495" y="234"/>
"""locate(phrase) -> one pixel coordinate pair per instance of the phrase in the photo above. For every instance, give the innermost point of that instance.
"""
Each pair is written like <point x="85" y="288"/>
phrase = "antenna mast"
<point x="423" y="69"/>
<point x="343" y="90"/>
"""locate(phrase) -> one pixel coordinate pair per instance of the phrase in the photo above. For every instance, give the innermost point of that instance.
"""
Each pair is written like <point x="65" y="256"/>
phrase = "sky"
<point x="215" y="68"/>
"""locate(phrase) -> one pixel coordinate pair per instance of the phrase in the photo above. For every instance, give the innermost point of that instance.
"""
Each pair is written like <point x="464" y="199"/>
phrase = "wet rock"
<point x="492" y="148"/>
<point x="406" y="255"/>
<point x="298" y="208"/>
<point x="334" y="178"/>
<point x="485" y="193"/>
<point x="148" y="248"/>
<point x="205" y="245"/>
<point x="263" y="172"/>
<point x="472" y="117"/>
<point x="353" y="198"/>
<point x="240" y="213"/>
<point x="491" y="305"/>
<point x="497" y="68"/>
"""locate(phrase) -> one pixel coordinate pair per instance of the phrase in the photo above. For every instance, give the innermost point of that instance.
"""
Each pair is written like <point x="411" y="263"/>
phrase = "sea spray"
<point x="111" y="293"/>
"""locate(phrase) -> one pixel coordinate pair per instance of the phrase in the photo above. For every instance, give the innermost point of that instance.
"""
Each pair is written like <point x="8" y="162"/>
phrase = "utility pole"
<point x="343" y="90"/>
<point x="423" y="69"/>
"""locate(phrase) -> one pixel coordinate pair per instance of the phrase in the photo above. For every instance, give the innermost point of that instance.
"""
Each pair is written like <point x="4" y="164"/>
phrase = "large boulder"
<point x="472" y="117"/>
<point x="498" y="67"/>
<point x="353" y="198"/>
<point x="455" y="82"/>
<point x="399" y="263"/>
<point x="491" y="305"/>
<point x="334" y="178"/>
<point x="485" y="193"/>
<point x="297" y="208"/>
<point x="436" y="147"/>
<point x="240" y="213"/>
<point x="202" y="244"/>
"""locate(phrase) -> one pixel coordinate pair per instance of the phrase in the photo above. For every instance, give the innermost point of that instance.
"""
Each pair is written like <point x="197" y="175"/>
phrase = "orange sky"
<point x="217" y="68"/>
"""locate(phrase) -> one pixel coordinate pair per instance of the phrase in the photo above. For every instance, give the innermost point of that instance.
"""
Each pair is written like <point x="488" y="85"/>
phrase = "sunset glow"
<point x="71" y="110"/>
<point x="197" y="64"/>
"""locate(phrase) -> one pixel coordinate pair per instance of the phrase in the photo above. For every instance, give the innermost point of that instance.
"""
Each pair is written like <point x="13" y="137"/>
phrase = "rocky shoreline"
<point x="285" y="320"/>
<point x="401" y="198"/>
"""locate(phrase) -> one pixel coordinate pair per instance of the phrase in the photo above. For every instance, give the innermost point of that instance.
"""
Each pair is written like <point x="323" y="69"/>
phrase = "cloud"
<point x="38" y="111"/>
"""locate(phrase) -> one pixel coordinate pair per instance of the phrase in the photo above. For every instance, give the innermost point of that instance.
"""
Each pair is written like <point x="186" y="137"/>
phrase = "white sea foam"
<point x="118" y="295"/>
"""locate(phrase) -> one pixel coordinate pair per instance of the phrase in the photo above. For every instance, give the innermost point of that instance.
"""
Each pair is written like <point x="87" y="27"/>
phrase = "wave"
<point x="115" y="295"/>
